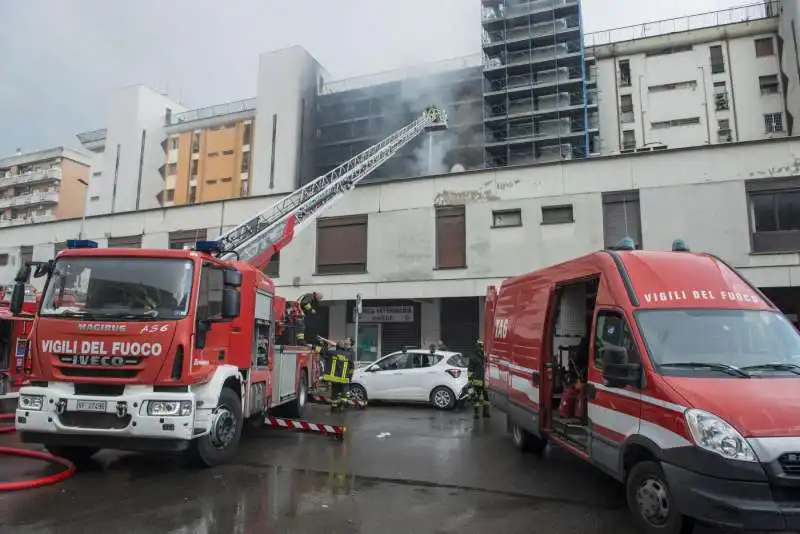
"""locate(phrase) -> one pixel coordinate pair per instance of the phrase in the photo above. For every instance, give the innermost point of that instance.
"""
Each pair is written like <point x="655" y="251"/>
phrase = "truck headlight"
<point x="715" y="435"/>
<point x="169" y="408"/>
<point x="30" y="402"/>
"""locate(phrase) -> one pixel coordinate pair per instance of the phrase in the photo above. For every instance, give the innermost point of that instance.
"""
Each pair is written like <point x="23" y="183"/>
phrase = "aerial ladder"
<point x="260" y="237"/>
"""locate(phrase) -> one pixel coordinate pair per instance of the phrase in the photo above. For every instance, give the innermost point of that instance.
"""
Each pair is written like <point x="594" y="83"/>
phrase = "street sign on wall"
<point x="386" y="314"/>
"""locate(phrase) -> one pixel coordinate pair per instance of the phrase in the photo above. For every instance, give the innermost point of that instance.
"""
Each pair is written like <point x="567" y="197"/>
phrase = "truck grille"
<point x="77" y="372"/>
<point x="80" y="366"/>
<point x="107" y="421"/>
<point x="790" y="463"/>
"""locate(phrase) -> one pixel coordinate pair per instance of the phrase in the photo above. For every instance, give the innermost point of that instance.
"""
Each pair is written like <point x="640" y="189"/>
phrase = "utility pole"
<point x="85" y="206"/>
<point x="358" y="309"/>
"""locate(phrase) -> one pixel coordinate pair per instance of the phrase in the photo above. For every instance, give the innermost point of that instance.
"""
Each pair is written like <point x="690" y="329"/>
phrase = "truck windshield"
<point x="120" y="288"/>
<point x="681" y="341"/>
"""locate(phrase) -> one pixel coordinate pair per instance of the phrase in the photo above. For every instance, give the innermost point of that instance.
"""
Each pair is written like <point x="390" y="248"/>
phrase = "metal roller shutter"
<point x="459" y="320"/>
<point x="396" y="336"/>
<point x="621" y="218"/>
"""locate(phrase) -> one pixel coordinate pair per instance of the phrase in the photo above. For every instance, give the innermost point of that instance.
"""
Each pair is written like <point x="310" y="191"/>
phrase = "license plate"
<point x="91" y="406"/>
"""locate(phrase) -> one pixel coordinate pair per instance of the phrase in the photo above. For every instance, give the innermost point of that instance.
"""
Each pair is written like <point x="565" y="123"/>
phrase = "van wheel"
<point x="443" y="398"/>
<point x="525" y="441"/>
<point x="651" y="502"/>
<point x="75" y="454"/>
<point x="222" y="440"/>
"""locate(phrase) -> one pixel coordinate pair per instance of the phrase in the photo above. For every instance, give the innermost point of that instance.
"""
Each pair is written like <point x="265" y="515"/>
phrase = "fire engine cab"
<point x="667" y="370"/>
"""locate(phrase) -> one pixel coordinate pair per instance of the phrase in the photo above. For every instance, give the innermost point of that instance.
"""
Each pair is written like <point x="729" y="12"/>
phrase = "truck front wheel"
<point x="222" y="440"/>
<point x="525" y="441"/>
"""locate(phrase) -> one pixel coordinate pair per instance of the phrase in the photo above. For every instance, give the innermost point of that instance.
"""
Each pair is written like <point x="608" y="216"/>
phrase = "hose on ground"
<point x="68" y="471"/>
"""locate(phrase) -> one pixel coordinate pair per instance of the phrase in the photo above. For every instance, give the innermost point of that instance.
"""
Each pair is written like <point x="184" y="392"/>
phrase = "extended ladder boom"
<point x="259" y="238"/>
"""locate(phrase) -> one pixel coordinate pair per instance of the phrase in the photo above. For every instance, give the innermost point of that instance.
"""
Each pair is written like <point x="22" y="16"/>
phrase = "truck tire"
<point x="651" y="503"/>
<point x="75" y="454"/>
<point x="294" y="410"/>
<point x="525" y="441"/>
<point x="222" y="441"/>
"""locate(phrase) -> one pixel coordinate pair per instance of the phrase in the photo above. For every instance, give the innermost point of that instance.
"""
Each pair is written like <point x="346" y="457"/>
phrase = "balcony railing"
<point x="536" y="6"/>
<point x="542" y="29"/>
<point x="526" y="57"/>
<point x="30" y="177"/>
<point x="761" y="10"/>
<point x="209" y="112"/>
<point x="17" y="221"/>
<point x="37" y="197"/>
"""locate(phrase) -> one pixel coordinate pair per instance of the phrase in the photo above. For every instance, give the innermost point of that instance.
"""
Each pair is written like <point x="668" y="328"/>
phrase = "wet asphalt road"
<point x="437" y="472"/>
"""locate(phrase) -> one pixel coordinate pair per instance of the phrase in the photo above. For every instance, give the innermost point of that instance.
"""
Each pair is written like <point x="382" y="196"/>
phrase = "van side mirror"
<point x="617" y="372"/>
<point x="231" y="303"/>
<point x="17" y="298"/>
<point x="23" y="274"/>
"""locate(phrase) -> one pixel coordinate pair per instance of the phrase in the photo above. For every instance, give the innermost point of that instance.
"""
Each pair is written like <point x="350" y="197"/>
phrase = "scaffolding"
<point x="539" y="90"/>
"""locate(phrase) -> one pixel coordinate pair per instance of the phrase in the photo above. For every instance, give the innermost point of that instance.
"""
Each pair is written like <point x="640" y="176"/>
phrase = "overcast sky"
<point x="60" y="59"/>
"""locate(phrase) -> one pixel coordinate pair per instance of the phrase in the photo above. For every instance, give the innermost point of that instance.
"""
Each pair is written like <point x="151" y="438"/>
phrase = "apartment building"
<point x="207" y="154"/>
<point x="716" y="84"/>
<point x="43" y="186"/>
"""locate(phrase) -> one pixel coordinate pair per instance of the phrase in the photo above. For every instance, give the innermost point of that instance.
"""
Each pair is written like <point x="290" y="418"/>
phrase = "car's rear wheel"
<point x="443" y="398"/>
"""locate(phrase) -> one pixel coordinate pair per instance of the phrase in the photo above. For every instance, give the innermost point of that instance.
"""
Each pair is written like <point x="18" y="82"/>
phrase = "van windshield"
<point x="756" y="341"/>
<point x="119" y="288"/>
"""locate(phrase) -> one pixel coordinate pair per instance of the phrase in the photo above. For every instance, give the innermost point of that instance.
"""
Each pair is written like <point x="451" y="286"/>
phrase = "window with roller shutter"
<point x="128" y="241"/>
<point x="342" y="245"/>
<point x="181" y="238"/>
<point x="451" y="237"/>
<point x="621" y="217"/>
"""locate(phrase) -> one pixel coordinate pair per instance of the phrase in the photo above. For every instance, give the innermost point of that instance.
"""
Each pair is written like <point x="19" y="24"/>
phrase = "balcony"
<point x="18" y="221"/>
<point x="528" y="32"/>
<point x="37" y="197"/>
<point x="528" y="57"/>
<point x="500" y="12"/>
<point x="240" y="106"/>
<point x="31" y="177"/>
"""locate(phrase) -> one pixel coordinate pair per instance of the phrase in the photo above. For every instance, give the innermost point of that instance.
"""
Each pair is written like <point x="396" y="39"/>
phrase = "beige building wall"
<point x="72" y="193"/>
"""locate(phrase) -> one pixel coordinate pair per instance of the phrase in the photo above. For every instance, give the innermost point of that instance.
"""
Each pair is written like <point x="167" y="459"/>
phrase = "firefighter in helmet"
<point x="476" y="375"/>
<point x="309" y="302"/>
<point x="338" y="371"/>
<point x="296" y="314"/>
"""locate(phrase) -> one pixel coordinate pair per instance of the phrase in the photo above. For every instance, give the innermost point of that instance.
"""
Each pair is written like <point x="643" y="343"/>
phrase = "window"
<point x="692" y="84"/>
<point x="172" y="169"/>
<point x="128" y="241"/>
<point x="3" y="260"/>
<point x="209" y="294"/>
<point x="393" y="362"/>
<point x="773" y="122"/>
<point x="628" y="140"/>
<point x="506" y="218"/>
<point x="724" y="131"/>
<point x="342" y="245"/>
<point x="227" y="152"/>
<point x="192" y="194"/>
<point x="273" y="269"/>
<point x="717" y="59"/>
<point x="451" y="237"/>
<point x="213" y="154"/>
<point x="764" y="47"/>
<point x="194" y="168"/>
<point x="626" y="108"/>
<point x="557" y="214"/>
<point x="624" y="73"/>
<point x="226" y="180"/>
<point x="244" y="189"/>
<point x="170" y="195"/>
<point x="178" y="239"/>
<point x="245" y="162"/>
<point x="26" y="254"/>
<point x="621" y="217"/>
<point x="420" y="360"/>
<point x="774" y="214"/>
<point x="211" y="182"/>
<point x="612" y="330"/>
<point x="196" y="142"/>
<point x="769" y="84"/>
<point x="174" y="143"/>
<point x="247" y="133"/>
<point x="675" y="123"/>
<point x="721" y="96"/>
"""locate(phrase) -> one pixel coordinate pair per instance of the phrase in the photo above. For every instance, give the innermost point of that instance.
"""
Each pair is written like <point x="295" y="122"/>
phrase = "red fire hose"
<point x="68" y="471"/>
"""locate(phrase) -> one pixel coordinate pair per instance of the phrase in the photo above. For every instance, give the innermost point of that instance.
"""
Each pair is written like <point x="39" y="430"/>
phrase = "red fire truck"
<point x="14" y="330"/>
<point x="174" y="349"/>
<point x="667" y="370"/>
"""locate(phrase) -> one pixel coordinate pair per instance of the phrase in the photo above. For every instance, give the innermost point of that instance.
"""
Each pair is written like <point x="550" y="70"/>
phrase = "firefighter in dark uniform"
<point x="307" y="303"/>
<point x="476" y="375"/>
<point x="338" y="372"/>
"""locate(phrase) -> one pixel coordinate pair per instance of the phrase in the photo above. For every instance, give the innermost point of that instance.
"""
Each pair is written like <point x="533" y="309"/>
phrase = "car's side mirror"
<point x="372" y="368"/>
<point x="617" y="372"/>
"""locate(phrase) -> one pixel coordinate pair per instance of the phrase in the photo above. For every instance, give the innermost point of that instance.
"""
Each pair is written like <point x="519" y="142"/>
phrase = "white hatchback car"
<point x="418" y="375"/>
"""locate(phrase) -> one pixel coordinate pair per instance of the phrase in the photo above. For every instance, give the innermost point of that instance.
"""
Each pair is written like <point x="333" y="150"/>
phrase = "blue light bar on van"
<point x="625" y="243"/>
<point x="679" y="246"/>
<point x="207" y="246"/>
<point x="81" y="243"/>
